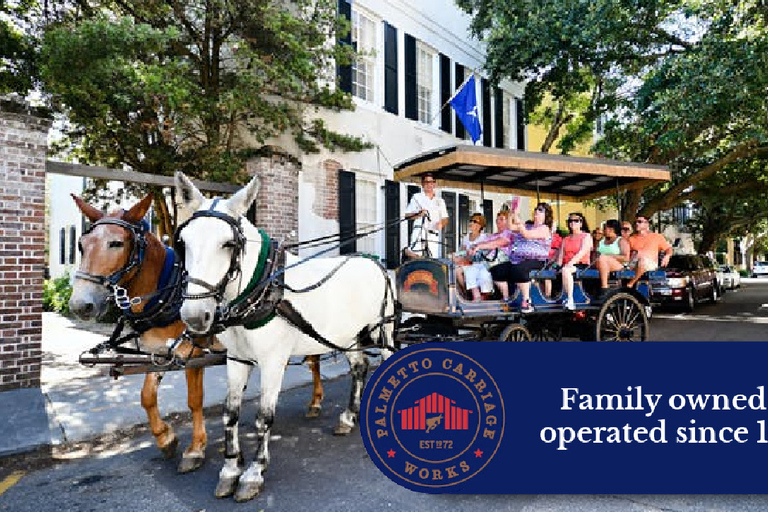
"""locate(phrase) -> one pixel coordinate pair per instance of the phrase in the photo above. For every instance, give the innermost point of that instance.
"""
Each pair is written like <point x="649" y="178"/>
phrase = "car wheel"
<point x="690" y="300"/>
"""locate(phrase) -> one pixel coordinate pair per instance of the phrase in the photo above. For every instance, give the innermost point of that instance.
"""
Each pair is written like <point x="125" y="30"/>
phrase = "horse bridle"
<point x="216" y="291"/>
<point x="135" y="259"/>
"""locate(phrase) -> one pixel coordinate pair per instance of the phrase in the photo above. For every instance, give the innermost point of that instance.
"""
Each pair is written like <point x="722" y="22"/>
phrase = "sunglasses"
<point x="475" y="221"/>
<point x="575" y="220"/>
<point x="640" y="221"/>
<point x="625" y="229"/>
<point x="540" y="209"/>
<point x="430" y="181"/>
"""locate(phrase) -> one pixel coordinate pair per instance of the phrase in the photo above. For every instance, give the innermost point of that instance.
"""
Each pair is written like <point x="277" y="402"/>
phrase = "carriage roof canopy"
<point x="524" y="172"/>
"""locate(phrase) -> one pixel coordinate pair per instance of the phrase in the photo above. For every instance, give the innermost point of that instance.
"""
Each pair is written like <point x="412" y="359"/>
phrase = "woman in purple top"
<point x="528" y="249"/>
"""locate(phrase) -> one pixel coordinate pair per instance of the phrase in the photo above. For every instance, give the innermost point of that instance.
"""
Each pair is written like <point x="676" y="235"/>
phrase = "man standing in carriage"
<point x="430" y="216"/>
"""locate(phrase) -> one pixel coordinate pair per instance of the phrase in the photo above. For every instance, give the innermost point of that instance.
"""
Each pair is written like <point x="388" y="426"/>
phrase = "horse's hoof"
<point x="226" y="487"/>
<point x="313" y="411"/>
<point x="189" y="464"/>
<point x="169" y="450"/>
<point x="248" y="490"/>
<point x="342" y="430"/>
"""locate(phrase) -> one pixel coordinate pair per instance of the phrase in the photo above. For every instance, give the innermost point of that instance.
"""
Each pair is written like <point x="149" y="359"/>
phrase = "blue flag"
<point x="464" y="102"/>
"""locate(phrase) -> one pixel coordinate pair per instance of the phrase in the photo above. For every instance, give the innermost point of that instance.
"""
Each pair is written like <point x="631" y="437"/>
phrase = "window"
<point x="424" y="81"/>
<point x="364" y="39"/>
<point x="366" y="213"/>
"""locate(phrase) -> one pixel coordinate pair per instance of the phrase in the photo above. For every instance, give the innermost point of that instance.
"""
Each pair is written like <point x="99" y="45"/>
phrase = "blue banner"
<point x="571" y="418"/>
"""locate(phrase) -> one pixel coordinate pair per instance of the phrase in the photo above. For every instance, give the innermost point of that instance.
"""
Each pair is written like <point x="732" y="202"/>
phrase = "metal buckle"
<point x="122" y="300"/>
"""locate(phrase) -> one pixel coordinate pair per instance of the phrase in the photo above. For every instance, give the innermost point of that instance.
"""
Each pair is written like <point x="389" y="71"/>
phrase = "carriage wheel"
<point x="515" y="332"/>
<point x="547" y="334"/>
<point x="622" y="318"/>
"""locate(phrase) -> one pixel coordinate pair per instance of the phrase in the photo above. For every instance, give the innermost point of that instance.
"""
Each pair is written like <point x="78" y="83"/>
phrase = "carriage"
<point x="433" y="307"/>
<point x="266" y="305"/>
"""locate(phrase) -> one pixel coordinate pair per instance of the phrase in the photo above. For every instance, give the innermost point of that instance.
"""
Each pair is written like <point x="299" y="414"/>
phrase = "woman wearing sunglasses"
<point x="574" y="254"/>
<point x="474" y="274"/>
<point x="528" y="249"/>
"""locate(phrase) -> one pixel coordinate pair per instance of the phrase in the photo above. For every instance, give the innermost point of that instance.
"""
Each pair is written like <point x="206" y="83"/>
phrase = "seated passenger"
<point x="574" y="254"/>
<point x="474" y="275"/>
<point x="646" y="246"/>
<point x="527" y="248"/>
<point x="613" y="254"/>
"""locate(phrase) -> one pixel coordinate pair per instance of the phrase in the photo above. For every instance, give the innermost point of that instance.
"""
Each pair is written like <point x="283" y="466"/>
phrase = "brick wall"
<point x="23" y="145"/>
<point x="277" y="204"/>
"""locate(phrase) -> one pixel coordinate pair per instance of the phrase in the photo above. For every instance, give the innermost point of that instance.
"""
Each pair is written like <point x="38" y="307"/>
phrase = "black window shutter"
<point x="445" y="93"/>
<point x="487" y="120"/>
<point x="392" y="230"/>
<point x="449" y="233"/>
<point x="72" y="243"/>
<point x="490" y="220"/>
<point x="411" y="99"/>
<point x="498" y="117"/>
<point x="458" y="80"/>
<point x="62" y="246"/>
<point x="344" y="73"/>
<point x="463" y="215"/>
<point x="347" y="221"/>
<point x="520" y="124"/>
<point x="390" y="69"/>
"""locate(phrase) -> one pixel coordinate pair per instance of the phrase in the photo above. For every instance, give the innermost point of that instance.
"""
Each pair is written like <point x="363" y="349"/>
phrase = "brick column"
<point x="277" y="205"/>
<point x="23" y="145"/>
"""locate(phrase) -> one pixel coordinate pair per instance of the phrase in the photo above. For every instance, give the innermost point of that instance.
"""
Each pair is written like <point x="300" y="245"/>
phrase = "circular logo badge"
<point x="431" y="417"/>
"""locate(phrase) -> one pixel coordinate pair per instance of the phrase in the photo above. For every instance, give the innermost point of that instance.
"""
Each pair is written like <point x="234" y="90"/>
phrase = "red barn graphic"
<point x="415" y="418"/>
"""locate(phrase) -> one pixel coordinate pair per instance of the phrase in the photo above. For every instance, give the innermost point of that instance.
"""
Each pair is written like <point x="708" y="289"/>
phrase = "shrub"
<point x="56" y="293"/>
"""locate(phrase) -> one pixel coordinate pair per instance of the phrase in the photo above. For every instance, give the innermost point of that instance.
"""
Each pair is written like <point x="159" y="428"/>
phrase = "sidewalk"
<point x="77" y="403"/>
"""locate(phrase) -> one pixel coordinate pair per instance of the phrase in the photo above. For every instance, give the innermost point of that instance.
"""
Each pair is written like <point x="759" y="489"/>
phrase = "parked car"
<point x="686" y="282"/>
<point x="731" y="277"/>
<point x="709" y="264"/>
<point x="760" y="269"/>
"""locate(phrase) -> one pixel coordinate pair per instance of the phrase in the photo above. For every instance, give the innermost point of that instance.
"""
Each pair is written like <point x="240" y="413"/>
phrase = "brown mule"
<point x="107" y="250"/>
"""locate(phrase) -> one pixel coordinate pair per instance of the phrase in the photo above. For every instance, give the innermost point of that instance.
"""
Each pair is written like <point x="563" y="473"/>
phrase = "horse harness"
<point x="162" y="306"/>
<point x="263" y="297"/>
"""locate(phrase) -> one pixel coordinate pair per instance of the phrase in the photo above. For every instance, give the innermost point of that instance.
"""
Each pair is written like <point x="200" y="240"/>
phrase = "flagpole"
<point x="454" y="95"/>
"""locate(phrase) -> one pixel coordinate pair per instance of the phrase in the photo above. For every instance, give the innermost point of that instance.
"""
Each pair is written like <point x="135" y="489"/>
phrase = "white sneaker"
<point x="569" y="305"/>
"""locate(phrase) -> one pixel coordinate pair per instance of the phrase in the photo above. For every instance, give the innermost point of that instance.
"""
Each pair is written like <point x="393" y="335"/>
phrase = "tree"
<point x="18" y="46"/>
<point x="565" y="50"/>
<point x="194" y="85"/>
<point x="682" y="83"/>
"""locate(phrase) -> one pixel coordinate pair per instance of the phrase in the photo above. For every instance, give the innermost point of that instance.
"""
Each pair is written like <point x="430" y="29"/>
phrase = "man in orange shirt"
<point x="645" y="247"/>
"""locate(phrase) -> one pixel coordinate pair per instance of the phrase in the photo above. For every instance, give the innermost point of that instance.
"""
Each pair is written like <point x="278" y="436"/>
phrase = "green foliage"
<point x="17" y="46"/>
<point x="56" y="294"/>
<point x="138" y="90"/>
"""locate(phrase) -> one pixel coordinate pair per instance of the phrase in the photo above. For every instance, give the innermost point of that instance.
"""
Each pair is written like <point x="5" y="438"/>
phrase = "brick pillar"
<point x="277" y="205"/>
<point x="23" y="145"/>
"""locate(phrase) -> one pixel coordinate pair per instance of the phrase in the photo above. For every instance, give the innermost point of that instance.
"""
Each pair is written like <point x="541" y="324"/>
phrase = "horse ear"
<point x="139" y="210"/>
<point x="91" y="213"/>
<point x="239" y="203"/>
<point x="190" y="198"/>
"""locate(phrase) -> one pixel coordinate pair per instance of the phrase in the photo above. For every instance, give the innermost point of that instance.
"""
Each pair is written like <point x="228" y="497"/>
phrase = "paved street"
<point x="311" y="469"/>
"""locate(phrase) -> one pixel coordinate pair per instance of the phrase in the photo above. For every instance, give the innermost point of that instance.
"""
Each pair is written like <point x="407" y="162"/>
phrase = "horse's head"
<point x="108" y="250"/>
<point x="211" y="239"/>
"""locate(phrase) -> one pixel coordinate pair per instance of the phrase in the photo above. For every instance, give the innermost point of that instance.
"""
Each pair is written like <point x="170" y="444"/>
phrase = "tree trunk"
<point x="558" y="122"/>
<point x="165" y="220"/>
